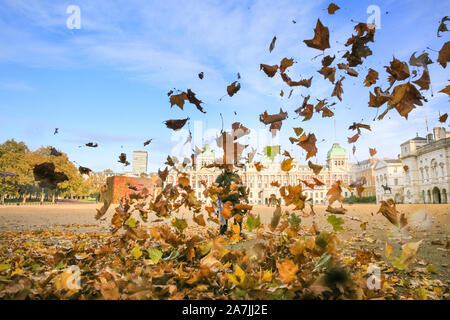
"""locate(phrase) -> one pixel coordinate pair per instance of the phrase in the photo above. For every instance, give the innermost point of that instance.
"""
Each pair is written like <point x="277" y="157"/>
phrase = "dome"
<point x="336" y="150"/>
<point x="208" y="151"/>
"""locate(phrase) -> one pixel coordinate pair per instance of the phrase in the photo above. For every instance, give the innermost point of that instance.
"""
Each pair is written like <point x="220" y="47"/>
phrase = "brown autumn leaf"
<point x="178" y="99"/>
<point x="309" y="145"/>
<point x="286" y="154"/>
<point x="338" y="210"/>
<point x="328" y="73"/>
<point x="321" y="37"/>
<point x="258" y="166"/>
<point x="405" y="168"/>
<point x="298" y="131"/>
<point x="332" y="8"/>
<point x="320" y="104"/>
<point x="309" y="185"/>
<point x="271" y="118"/>
<point x="327" y="60"/>
<point x="443" y="118"/>
<point x="379" y="98"/>
<point x="275" y="184"/>
<point x="442" y="26"/>
<point x="199" y="219"/>
<point x="303" y="82"/>
<point x="371" y="78"/>
<point x="404" y="97"/>
<point x="359" y="50"/>
<point x="446" y="90"/>
<point x="233" y="88"/>
<point x="389" y="211"/>
<point x="327" y="112"/>
<point x="424" y="81"/>
<point x="306" y="112"/>
<point x="163" y="174"/>
<point x="192" y="99"/>
<point x="286" y="164"/>
<point x="337" y="91"/>
<point x="353" y="139"/>
<point x="92" y="145"/>
<point x="123" y="159"/>
<point x="444" y="54"/>
<point x="286" y="63"/>
<point x="421" y="61"/>
<point x="315" y="167"/>
<point x="359" y="126"/>
<point x="317" y="182"/>
<point x="270" y="71"/>
<point x="287" y="270"/>
<point x="176" y="124"/>
<point x="84" y="170"/>
<point x="146" y="143"/>
<point x="350" y="71"/>
<point x="372" y="151"/>
<point x="47" y="176"/>
<point x="335" y="192"/>
<point x="272" y="44"/>
<point x="398" y="70"/>
<point x="290" y="93"/>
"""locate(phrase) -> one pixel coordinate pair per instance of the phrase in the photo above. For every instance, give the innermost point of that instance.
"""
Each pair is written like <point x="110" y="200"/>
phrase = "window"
<point x="396" y="181"/>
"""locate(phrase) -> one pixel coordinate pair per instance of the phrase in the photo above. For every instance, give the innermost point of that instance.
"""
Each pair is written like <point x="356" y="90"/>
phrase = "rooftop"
<point x="336" y="150"/>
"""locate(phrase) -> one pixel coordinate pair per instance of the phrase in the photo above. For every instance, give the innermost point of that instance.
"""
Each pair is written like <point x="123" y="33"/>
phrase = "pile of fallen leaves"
<point x="169" y="259"/>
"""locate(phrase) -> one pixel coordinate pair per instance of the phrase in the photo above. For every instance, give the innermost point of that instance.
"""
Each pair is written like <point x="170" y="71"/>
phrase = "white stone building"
<point x="336" y="168"/>
<point x="427" y="178"/>
<point x="389" y="173"/>
<point x="428" y="159"/>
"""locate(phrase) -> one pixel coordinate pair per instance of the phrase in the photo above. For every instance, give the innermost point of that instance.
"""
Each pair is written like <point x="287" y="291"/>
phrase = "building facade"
<point x="422" y="170"/>
<point x="427" y="179"/>
<point x="259" y="182"/>
<point x="139" y="164"/>
<point x="366" y="169"/>
<point x="389" y="181"/>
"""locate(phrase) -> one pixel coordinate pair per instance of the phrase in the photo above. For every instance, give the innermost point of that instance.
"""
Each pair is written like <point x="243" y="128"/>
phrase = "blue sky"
<point x="108" y="81"/>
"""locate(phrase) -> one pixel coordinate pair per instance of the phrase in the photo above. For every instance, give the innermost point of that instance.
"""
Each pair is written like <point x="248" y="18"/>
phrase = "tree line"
<point x="16" y="157"/>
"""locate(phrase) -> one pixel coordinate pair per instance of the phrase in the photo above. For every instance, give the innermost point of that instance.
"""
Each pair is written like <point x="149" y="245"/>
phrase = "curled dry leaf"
<point x="233" y="88"/>
<point x="444" y="54"/>
<point x="443" y="118"/>
<point x="371" y="78"/>
<point x="309" y="144"/>
<point x="372" y="151"/>
<point x="315" y="167"/>
<point x="321" y="37"/>
<point x="269" y="70"/>
<point x="332" y="8"/>
<point x="176" y="124"/>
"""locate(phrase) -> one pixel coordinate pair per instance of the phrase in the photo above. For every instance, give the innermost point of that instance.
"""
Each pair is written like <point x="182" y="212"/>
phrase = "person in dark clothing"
<point x="225" y="180"/>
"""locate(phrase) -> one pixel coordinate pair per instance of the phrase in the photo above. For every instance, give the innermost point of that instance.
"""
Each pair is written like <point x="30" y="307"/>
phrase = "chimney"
<point x="429" y="137"/>
<point x="439" y="133"/>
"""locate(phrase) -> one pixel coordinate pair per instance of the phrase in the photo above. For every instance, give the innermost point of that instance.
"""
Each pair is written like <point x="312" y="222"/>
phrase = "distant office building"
<point x="140" y="162"/>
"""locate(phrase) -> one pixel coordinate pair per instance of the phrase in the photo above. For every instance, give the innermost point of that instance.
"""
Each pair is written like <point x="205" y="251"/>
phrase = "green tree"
<point x="15" y="157"/>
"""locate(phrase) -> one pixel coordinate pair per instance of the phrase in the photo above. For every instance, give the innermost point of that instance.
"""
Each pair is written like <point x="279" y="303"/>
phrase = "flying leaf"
<point x="371" y="78"/>
<point x="321" y="37"/>
<point x="332" y="8"/>
<point x="176" y="124"/>
<point x="444" y="54"/>
<point x="315" y="168"/>
<point x="335" y="193"/>
<point x="443" y="118"/>
<point x="309" y="144"/>
<point x="337" y="91"/>
<point x="287" y="270"/>
<point x="442" y="26"/>
<point x="328" y="73"/>
<point x="269" y="70"/>
<point x="286" y="164"/>
<point x="92" y="145"/>
<point x="233" y="88"/>
<point x="286" y="63"/>
<point x="372" y="151"/>
<point x="272" y="44"/>
<point x="336" y="223"/>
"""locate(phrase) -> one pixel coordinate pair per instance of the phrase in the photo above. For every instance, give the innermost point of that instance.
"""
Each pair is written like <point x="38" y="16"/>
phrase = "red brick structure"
<point x="119" y="186"/>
